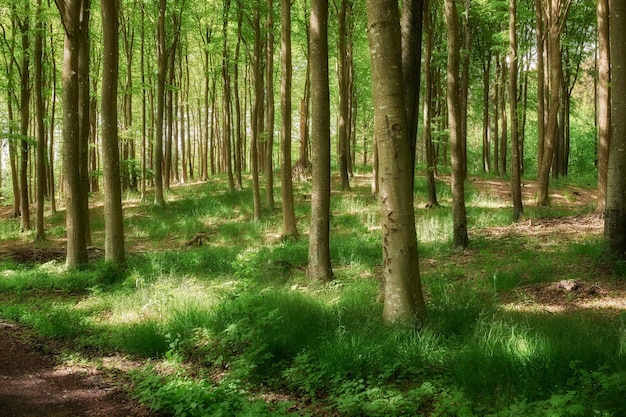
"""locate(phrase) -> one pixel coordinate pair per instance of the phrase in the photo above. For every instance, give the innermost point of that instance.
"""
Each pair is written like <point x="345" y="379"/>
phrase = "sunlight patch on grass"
<point x="158" y="299"/>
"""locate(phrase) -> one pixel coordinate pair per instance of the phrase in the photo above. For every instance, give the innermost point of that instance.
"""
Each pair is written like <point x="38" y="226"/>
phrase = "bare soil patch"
<point x="32" y="384"/>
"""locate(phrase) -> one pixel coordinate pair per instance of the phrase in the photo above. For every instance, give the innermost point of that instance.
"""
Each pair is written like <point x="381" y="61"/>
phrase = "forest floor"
<point x="32" y="383"/>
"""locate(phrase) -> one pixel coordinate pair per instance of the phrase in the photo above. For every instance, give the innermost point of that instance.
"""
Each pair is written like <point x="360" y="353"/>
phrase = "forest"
<point x="315" y="208"/>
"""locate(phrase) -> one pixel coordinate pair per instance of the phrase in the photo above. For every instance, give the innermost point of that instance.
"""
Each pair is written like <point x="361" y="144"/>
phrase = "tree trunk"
<point x="289" y="217"/>
<point x="113" y="218"/>
<point x="556" y="16"/>
<point x="159" y="199"/>
<point x="24" y="25"/>
<point x="256" y="117"/>
<point x="76" y="243"/>
<point x="269" y="110"/>
<point x="344" y="110"/>
<point x="516" y="187"/>
<point x="227" y="104"/>
<point x="615" y="212"/>
<point x="411" y="28"/>
<point x="319" y="267"/>
<point x="459" y="220"/>
<point x="604" y="101"/>
<point x="404" y="301"/>
<point x="84" y="87"/>
<point x="428" y="107"/>
<point x="41" y="128"/>
<point x="541" y="97"/>
<point x="464" y="86"/>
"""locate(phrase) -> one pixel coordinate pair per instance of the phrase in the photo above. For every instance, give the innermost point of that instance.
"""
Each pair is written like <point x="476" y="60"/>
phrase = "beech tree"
<point x="319" y="236"/>
<point x="459" y="219"/>
<point x="516" y="190"/>
<point x="604" y="100"/>
<point x="289" y="217"/>
<point x="403" y="294"/>
<point x="114" y="221"/>
<point x="615" y="212"/>
<point x="76" y="223"/>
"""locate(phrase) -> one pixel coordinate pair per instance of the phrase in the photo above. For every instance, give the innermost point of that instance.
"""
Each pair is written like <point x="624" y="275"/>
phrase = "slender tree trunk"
<point x="428" y="107"/>
<point x="25" y="89"/>
<point x="556" y="16"/>
<point x="342" y="124"/>
<point x="159" y="199"/>
<point x="289" y="217"/>
<point x="238" y="112"/>
<point x="84" y="87"/>
<point x="504" y="139"/>
<point x="41" y="128"/>
<point x="256" y="117"/>
<point x="404" y="301"/>
<point x="76" y="243"/>
<point x="459" y="220"/>
<point x="516" y="187"/>
<point x="604" y="101"/>
<point x="541" y="97"/>
<point x="486" y="118"/>
<point x="411" y="28"/>
<point x="319" y="236"/>
<point x="464" y="83"/>
<point x="269" y="111"/>
<point x="114" y="221"/>
<point x="227" y="100"/>
<point x="615" y="212"/>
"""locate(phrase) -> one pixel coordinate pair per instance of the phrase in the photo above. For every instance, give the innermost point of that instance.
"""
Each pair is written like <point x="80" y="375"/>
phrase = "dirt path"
<point x="31" y="384"/>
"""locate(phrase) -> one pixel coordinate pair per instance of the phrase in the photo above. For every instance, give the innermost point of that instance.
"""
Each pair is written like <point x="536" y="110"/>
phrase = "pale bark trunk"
<point x="289" y="217"/>
<point x="41" y="130"/>
<point x="604" y="101"/>
<point x="460" y="239"/>
<point x="516" y="190"/>
<point x="319" y="267"/>
<point x="615" y="212"/>
<point x="404" y="301"/>
<point x="113" y="217"/>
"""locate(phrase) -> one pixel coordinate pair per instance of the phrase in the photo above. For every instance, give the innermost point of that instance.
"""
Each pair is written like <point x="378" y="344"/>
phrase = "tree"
<point x="403" y="295"/>
<point x="41" y="128"/>
<point x="604" y="101"/>
<point x="516" y="190"/>
<point x="428" y="106"/>
<point x="459" y="219"/>
<point x="411" y="28"/>
<point x="615" y="212"/>
<point x="269" y="111"/>
<point x="289" y="217"/>
<point x="319" y="236"/>
<point x="76" y="243"/>
<point x="344" y="93"/>
<point x="25" y="88"/>
<point x="114" y="221"/>
<point x="555" y="13"/>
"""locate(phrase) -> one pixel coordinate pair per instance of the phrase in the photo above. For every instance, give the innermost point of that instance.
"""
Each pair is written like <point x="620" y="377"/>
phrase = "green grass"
<point x="220" y="327"/>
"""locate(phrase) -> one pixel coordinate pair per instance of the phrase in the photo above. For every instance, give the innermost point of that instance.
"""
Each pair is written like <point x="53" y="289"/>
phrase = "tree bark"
<point x="319" y="267"/>
<point x="428" y="107"/>
<point x="113" y="218"/>
<point x="615" y="212"/>
<point x="460" y="239"/>
<point x="76" y="243"/>
<point x="404" y="301"/>
<point x="256" y="117"/>
<point x="41" y="128"/>
<point x="516" y="190"/>
<point x="269" y="110"/>
<point x="411" y="28"/>
<point x="289" y="217"/>
<point x="604" y="101"/>
<point x="25" y="88"/>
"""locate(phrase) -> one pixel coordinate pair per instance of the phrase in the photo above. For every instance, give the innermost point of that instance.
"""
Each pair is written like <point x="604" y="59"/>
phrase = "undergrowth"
<point x="234" y="327"/>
